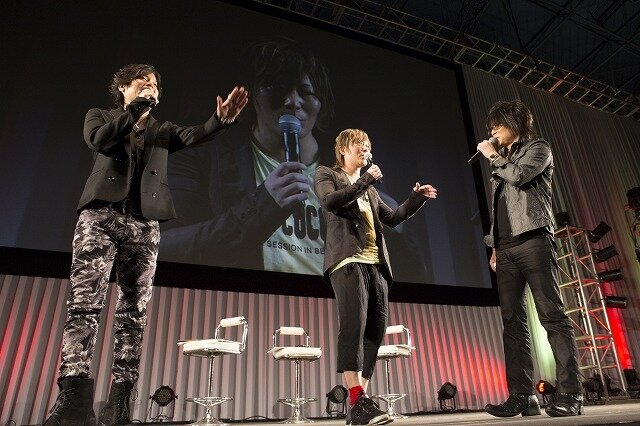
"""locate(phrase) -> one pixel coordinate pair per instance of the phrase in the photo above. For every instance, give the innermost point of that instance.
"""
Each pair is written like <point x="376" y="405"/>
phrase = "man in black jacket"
<point x="356" y="262"/>
<point x="124" y="198"/>
<point x="524" y="252"/>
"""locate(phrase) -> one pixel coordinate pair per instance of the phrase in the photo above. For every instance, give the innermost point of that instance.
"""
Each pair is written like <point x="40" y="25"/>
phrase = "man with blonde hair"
<point x="356" y="262"/>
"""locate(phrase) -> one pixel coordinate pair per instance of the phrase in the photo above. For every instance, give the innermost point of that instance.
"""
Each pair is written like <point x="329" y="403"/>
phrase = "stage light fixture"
<point x="599" y="232"/>
<point x="611" y="275"/>
<point x="633" y="197"/>
<point x="605" y="254"/>
<point x="619" y="302"/>
<point x="337" y="396"/>
<point x="593" y="385"/>
<point x="447" y="396"/>
<point x="562" y="219"/>
<point x="545" y="388"/>
<point x="163" y="396"/>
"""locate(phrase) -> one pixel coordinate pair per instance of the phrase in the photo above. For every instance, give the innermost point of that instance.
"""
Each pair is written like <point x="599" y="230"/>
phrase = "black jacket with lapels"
<point x="346" y="229"/>
<point x="107" y="134"/>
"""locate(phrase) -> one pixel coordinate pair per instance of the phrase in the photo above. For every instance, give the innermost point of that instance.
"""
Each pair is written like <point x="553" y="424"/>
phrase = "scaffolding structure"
<point x="584" y="305"/>
<point x="403" y="29"/>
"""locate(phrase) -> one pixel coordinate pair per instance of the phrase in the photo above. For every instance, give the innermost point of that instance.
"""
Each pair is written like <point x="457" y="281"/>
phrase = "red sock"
<point x="354" y="394"/>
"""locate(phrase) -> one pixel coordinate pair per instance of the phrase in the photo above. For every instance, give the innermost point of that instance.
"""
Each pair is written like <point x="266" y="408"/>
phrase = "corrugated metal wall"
<point x="454" y="343"/>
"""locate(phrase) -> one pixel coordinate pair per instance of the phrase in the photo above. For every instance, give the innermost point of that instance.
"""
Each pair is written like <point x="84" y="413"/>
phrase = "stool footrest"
<point x="209" y="401"/>
<point x="296" y="402"/>
<point x="392" y="396"/>
<point x="391" y="399"/>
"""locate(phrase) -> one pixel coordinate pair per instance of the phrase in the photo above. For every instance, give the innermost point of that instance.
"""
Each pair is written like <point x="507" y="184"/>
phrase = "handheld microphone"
<point x="290" y="126"/>
<point x="475" y="157"/>
<point x="368" y="157"/>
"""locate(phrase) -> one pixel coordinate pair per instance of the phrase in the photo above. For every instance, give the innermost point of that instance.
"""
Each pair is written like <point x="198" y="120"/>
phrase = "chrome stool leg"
<point x="297" y="401"/>
<point x="391" y="398"/>
<point x="209" y="402"/>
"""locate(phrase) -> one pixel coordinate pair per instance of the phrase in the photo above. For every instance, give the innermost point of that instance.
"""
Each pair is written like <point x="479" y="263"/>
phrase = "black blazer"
<point x="107" y="134"/>
<point x="345" y="225"/>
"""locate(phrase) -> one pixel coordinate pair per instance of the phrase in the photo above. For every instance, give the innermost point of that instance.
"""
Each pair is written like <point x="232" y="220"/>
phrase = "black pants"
<point x="362" y="297"/>
<point x="534" y="262"/>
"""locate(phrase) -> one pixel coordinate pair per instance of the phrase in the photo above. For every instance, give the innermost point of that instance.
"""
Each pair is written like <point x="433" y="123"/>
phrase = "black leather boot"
<point x="517" y="403"/>
<point x="74" y="405"/>
<point x="566" y="404"/>
<point x="117" y="410"/>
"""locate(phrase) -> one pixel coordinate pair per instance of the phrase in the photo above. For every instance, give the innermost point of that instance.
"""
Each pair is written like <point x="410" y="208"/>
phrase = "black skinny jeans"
<point x="534" y="262"/>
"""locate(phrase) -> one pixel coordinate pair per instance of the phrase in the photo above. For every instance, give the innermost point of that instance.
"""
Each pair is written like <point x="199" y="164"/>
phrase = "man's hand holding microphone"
<point x="287" y="185"/>
<point x="141" y="105"/>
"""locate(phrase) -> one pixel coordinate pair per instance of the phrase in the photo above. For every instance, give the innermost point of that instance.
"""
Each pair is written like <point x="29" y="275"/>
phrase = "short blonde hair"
<point x="348" y="137"/>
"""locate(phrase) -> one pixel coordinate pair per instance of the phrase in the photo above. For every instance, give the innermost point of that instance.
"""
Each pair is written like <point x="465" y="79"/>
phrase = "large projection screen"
<point x="412" y="107"/>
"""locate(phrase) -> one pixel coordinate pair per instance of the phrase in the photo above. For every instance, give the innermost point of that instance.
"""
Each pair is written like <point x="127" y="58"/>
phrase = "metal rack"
<point x="584" y="305"/>
<point x="403" y="29"/>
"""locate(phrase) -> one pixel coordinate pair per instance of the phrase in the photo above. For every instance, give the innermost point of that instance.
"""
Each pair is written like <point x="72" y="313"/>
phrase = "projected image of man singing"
<point x="244" y="202"/>
<point x="356" y="262"/>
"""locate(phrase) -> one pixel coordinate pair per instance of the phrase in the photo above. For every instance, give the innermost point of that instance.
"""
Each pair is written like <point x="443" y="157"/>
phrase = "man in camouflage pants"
<point x="124" y="198"/>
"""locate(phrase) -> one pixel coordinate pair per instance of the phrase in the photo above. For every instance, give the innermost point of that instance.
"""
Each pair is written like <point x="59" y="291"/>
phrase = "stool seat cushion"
<point x="394" y="351"/>
<point x="296" y="353"/>
<point x="210" y="347"/>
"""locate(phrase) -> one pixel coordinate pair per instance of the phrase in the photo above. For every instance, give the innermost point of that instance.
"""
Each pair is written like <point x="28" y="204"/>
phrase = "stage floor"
<point x="625" y="412"/>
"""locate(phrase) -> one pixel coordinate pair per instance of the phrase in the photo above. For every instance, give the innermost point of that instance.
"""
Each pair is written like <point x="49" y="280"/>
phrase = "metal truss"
<point x="584" y="305"/>
<point x="403" y="29"/>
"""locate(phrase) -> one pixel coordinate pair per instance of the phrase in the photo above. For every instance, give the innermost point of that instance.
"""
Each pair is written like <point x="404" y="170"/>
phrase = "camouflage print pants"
<point x="105" y="238"/>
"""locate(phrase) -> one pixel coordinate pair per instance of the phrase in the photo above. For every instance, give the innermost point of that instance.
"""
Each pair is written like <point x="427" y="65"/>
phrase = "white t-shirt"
<point x="296" y="246"/>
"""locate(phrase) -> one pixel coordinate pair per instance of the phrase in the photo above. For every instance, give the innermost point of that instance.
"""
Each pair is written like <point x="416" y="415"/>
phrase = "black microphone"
<point x="475" y="157"/>
<point x="290" y="126"/>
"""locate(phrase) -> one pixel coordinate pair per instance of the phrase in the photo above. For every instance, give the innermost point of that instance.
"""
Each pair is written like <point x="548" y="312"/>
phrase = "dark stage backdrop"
<point x="58" y="61"/>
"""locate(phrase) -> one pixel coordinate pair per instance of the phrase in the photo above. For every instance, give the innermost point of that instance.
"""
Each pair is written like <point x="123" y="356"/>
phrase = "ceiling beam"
<point x="593" y="27"/>
<point x="368" y="17"/>
<point x="549" y="27"/>
<point x="470" y="11"/>
<point x="589" y="58"/>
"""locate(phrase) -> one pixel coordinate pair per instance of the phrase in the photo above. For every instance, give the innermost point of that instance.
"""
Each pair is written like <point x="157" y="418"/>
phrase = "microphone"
<point x="475" y="157"/>
<point x="290" y="126"/>
<point x="368" y="157"/>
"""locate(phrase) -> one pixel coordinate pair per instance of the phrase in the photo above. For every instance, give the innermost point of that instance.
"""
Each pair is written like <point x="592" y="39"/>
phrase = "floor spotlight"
<point x="633" y="197"/>
<point x="562" y="219"/>
<point x="336" y="401"/>
<point x="593" y="387"/>
<point x="599" y="232"/>
<point x="605" y="254"/>
<point x="547" y="390"/>
<point x="619" y="302"/>
<point x="163" y="396"/>
<point x="611" y="275"/>
<point x="447" y="396"/>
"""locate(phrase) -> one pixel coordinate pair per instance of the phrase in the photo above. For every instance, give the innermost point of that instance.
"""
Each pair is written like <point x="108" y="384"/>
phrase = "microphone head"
<point x="289" y="123"/>
<point x="493" y="140"/>
<point x="368" y="157"/>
